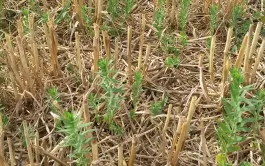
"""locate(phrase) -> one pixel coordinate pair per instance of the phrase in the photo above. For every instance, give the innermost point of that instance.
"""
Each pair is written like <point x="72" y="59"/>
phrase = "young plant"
<point x="87" y="19"/>
<point x="113" y="8"/>
<point x="74" y="130"/>
<point x="128" y="7"/>
<point x="93" y="103"/>
<point x="231" y="130"/>
<point x="25" y="20"/>
<point x="136" y="90"/>
<point x="112" y="91"/>
<point x="4" y="116"/>
<point x="157" y="107"/>
<point x="213" y="18"/>
<point x="54" y="94"/>
<point x="168" y="46"/>
<point x="64" y="14"/>
<point x="184" y="11"/>
<point x="159" y="18"/>
<point x="237" y="14"/>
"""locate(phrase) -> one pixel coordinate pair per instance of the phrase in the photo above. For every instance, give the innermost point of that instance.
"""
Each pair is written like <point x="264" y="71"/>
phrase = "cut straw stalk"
<point x="251" y="51"/>
<point x="120" y="155"/>
<point x="202" y="79"/>
<point x="44" y="146"/>
<point x="173" y="13"/>
<point x="26" y="134"/>
<point x="87" y="119"/>
<point x="77" y="9"/>
<point x="37" y="143"/>
<point x="94" y="150"/>
<point x="1" y="137"/>
<point x="147" y="54"/>
<point x="106" y="44"/>
<point x="141" y="42"/>
<point x="34" y="45"/>
<point x="175" y="139"/>
<point x="20" y="29"/>
<point x="211" y="58"/>
<point x="53" y="47"/>
<point x="132" y="154"/>
<point x="129" y="52"/>
<point x="13" y="82"/>
<point x="96" y="49"/>
<point x="203" y="144"/>
<point x="90" y="5"/>
<point x="163" y="135"/>
<point x="25" y="69"/>
<point x="98" y="11"/>
<point x="241" y="52"/>
<point x="78" y="54"/>
<point x="260" y="54"/>
<point x="246" y="59"/>
<point x="11" y="60"/>
<point x="116" y="53"/>
<point x="11" y="152"/>
<point x="78" y="58"/>
<point x="180" y="143"/>
<point x="225" y="67"/>
<point x="185" y="129"/>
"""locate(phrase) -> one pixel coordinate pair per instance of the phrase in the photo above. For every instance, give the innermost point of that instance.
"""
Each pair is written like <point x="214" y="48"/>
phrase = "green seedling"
<point x="2" y="9"/>
<point x="172" y="62"/>
<point x="93" y="103"/>
<point x="136" y="90"/>
<point x="4" y="116"/>
<point x="113" y="90"/>
<point x="159" y="18"/>
<point x="183" y="38"/>
<point x="245" y="164"/>
<point x="64" y="13"/>
<point x="237" y="14"/>
<point x="75" y="136"/>
<point x="168" y="46"/>
<point x="213" y="18"/>
<point x="113" y="8"/>
<point x="25" y="20"/>
<point x="231" y="130"/>
<point x="54" y="94"/>
<point x="128" y="7"/>
<point x="31" y="134"/>
<point x="184" y="11"/>
<point x="157" y="107"/>
<point x="87" y="19"/>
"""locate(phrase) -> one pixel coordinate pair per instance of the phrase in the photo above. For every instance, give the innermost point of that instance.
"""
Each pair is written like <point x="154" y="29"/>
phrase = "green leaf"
<point x="233" y="148"/>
